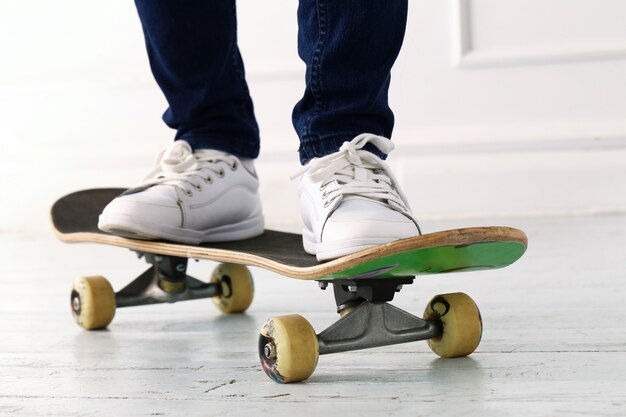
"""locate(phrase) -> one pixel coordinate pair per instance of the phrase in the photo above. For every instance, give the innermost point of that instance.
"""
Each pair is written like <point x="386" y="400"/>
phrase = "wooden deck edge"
<point x="442" y="238"/>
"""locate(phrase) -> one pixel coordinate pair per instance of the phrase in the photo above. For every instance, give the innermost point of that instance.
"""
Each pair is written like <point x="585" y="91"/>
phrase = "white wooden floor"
<point x="554" y="341"/>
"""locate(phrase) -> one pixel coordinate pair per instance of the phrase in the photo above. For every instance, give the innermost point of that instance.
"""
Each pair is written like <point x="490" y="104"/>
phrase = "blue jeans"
<point x="348" y="46"/>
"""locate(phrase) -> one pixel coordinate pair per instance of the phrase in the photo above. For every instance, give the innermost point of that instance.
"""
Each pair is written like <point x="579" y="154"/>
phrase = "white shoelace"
<point x="181" y="168"/>
<point x="353" y="171"/>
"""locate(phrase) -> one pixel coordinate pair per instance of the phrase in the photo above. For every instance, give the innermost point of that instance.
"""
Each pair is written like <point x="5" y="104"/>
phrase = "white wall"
<point x="502" y="108"/>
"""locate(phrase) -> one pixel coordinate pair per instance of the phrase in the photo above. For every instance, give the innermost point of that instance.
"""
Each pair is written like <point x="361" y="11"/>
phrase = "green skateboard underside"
<point x="435" y="260"/>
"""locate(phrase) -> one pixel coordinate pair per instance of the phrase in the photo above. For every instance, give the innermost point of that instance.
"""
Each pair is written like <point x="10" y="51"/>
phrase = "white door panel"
<point x="493" y="32"/>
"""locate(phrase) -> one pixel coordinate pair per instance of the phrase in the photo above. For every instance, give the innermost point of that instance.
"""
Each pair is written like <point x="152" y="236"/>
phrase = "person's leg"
<point x="349" y="198"/>
<point x="349" y="47"/>
<point x="204" y="187"/>
<point x="192" y="47"/>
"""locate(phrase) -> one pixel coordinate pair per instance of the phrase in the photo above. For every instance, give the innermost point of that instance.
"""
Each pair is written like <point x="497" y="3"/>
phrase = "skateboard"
<point x="363" y="284"/>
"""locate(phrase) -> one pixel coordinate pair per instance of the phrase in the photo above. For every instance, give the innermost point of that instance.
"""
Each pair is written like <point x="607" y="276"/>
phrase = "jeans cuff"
<point x="237" y="147"/>
<point x="316" y="148"/>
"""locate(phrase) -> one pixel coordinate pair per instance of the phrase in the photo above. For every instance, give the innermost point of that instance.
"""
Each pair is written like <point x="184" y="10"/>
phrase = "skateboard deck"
<point x="75" y="218"/>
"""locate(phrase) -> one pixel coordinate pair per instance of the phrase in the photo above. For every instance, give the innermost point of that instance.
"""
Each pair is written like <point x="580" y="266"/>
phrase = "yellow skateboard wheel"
<point x="93" y="302"/>
<point x="237" y="288"/>
<point x="288" y="348"/>
<point x="461" y="323"/>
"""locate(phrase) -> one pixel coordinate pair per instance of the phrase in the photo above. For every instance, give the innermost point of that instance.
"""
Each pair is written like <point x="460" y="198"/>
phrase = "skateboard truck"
<point x="93" y="301"/>
<point x="368" y="320"/>
<point x="351" y="292"/>
<point x="289" y="348"/>
<point x="166" y="281"/>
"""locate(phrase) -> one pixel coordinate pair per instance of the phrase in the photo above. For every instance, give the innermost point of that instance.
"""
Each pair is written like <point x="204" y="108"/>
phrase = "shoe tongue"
<point x="360" y="174"/>
<point x="209" y="153"/>
<point x="177" y="158"/>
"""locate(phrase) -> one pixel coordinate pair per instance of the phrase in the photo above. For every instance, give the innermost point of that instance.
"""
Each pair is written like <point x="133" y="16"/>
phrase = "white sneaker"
<point x="350" y="201"/>
<point x="190" y="197"/>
